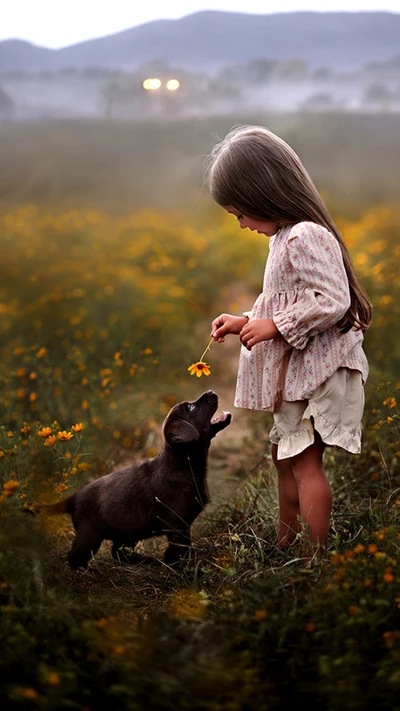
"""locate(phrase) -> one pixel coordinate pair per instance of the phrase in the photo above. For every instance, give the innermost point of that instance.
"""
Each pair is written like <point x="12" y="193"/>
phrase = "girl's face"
<point x="263" y="227"/>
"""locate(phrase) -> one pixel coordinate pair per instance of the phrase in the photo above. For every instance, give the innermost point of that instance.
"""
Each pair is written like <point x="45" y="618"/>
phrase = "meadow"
<point x="113" y="264"/>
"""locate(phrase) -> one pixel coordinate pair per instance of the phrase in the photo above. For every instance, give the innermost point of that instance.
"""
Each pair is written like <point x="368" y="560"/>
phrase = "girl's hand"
<point x="226" y="323"/>
<point x="260" y="329"/>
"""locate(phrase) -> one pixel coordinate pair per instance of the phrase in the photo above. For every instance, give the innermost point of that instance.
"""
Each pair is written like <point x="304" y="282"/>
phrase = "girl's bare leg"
<point x="315" y="494"/>
<point x="289" y="505"/>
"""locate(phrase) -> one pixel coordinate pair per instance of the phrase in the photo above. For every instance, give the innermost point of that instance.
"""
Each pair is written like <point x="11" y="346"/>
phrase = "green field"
<point x="114" y="262"/>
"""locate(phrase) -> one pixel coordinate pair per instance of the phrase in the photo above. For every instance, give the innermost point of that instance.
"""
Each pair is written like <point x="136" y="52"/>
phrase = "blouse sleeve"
<point x="323" y="295"/>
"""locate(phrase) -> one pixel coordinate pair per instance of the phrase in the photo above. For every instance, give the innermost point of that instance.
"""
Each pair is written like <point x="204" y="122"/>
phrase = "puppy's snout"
<point x="210" y="396"/>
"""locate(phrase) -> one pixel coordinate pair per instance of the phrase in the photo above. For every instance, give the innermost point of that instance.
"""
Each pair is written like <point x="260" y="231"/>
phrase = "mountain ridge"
<point x="210" y="39"/>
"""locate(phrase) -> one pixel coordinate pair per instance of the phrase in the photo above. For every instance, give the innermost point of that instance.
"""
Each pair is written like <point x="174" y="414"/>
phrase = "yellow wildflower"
<point x="64" y="436"/>
<point x="30" y="694"/>
<point x="45" y="432"/>
<point x="359" y="548"/>
<point x="53" y="679"/>
<point x="119" y="649"/>
<point x="50" y="441"/>
<point x="260" y="615"/>
<point x="11" y="485"/>
<point x="78" y="427"/>
<point x="200" y="368"/>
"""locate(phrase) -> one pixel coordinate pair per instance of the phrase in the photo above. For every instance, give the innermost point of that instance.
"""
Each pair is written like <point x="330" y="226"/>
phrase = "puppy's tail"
<point x="65" y="506"/>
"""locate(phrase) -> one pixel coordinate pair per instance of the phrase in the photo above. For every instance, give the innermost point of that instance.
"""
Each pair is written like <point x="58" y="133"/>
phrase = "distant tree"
<point x="259" y="70"/>
<point x="294" y="70"/>
<point x="7" y="105"/>
<point x="121" y="92"/>
<point x="377" y="92"/>
<point x="229" y="74"/>
<point x="256" y="72"/>
<point x="323" y="74"/>
<point x="154" y="67"/>
<point x="93" y="73"/>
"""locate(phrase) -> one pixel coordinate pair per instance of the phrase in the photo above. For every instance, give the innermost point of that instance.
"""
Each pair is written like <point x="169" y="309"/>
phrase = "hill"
<point x="209" y="40"/>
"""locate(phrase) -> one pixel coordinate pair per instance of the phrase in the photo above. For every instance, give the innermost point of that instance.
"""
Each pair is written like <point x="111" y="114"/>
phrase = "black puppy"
<point x="160" y="496"/>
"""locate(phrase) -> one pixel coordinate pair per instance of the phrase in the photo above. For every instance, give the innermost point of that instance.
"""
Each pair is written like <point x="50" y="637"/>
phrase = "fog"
<point x="281" y="86"/>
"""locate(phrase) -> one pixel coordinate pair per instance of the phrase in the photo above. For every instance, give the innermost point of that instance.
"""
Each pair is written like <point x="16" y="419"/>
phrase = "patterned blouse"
<point x="306" y="293"/>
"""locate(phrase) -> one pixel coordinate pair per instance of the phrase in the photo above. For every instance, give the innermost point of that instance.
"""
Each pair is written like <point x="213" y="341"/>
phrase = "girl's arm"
<point x="225" y="324"/>
<point x="324" y="295"/>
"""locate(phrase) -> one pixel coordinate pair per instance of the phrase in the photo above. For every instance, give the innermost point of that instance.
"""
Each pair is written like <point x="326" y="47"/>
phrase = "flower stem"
<point x="207" y="349"/>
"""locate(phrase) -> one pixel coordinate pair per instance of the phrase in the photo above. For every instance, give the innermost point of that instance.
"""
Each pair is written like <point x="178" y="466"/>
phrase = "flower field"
<point x="101" y="313"/>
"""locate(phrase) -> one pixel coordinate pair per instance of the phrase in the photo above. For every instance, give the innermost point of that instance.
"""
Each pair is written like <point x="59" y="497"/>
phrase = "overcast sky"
<point x="53" y="23"/>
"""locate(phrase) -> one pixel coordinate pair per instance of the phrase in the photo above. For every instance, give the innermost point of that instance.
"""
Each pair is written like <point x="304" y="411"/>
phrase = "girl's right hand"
<point x="225" y="324"/>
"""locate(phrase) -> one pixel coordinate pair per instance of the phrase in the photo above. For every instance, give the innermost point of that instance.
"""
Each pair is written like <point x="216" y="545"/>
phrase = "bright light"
<point x="173" y="84"/>
<point x="151" y="84"/>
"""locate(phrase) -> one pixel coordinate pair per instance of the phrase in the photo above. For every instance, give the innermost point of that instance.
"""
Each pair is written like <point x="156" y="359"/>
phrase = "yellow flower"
<point x="11" y="485"/>
<point x="30" y="694"/>
<point x="45" y="432"/>
<point x="199" y="369"/>
<point x="78" y="427"/>
<point x="359" y="548"/>
<point x="260" y="615"/>
<point x="64" y="436"/>
<point x="53" y="679"/>
<point x="50" y="441"/>
<point x="41" y="352"/>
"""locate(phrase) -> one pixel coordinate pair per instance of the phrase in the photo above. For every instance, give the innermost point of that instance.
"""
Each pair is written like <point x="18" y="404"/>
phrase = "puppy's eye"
<point x="191" y="406"/>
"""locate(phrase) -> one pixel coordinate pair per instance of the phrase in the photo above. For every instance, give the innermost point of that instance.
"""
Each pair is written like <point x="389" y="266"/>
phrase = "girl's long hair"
<point x="260" y="175"/>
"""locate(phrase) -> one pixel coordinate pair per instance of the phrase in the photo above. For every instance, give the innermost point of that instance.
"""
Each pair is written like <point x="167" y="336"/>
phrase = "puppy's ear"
<point x="180" y="432"/>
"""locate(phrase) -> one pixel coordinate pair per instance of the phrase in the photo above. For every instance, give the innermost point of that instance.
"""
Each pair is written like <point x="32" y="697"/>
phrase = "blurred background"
<point x="113" y="263"/>
<point x="114" y="259"/>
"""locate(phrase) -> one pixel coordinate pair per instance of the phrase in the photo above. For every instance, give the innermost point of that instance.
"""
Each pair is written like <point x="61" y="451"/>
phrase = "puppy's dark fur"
<point x="160" y="496"/>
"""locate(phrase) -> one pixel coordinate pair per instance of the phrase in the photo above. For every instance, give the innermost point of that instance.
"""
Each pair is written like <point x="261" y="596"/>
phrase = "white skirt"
<point x="335" y="411"/>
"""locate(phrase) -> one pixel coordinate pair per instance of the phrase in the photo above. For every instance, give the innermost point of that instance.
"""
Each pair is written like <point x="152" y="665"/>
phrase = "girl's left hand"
<point x="260" y="329"/>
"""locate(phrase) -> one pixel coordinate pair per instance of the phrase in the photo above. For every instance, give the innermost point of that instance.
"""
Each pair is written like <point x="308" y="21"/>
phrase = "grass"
<point x="103" y="308"/>
<point x="238" y="627"/>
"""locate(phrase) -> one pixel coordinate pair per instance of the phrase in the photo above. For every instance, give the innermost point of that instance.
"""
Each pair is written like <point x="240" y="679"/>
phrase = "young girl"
<point x="301" y="355"/>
